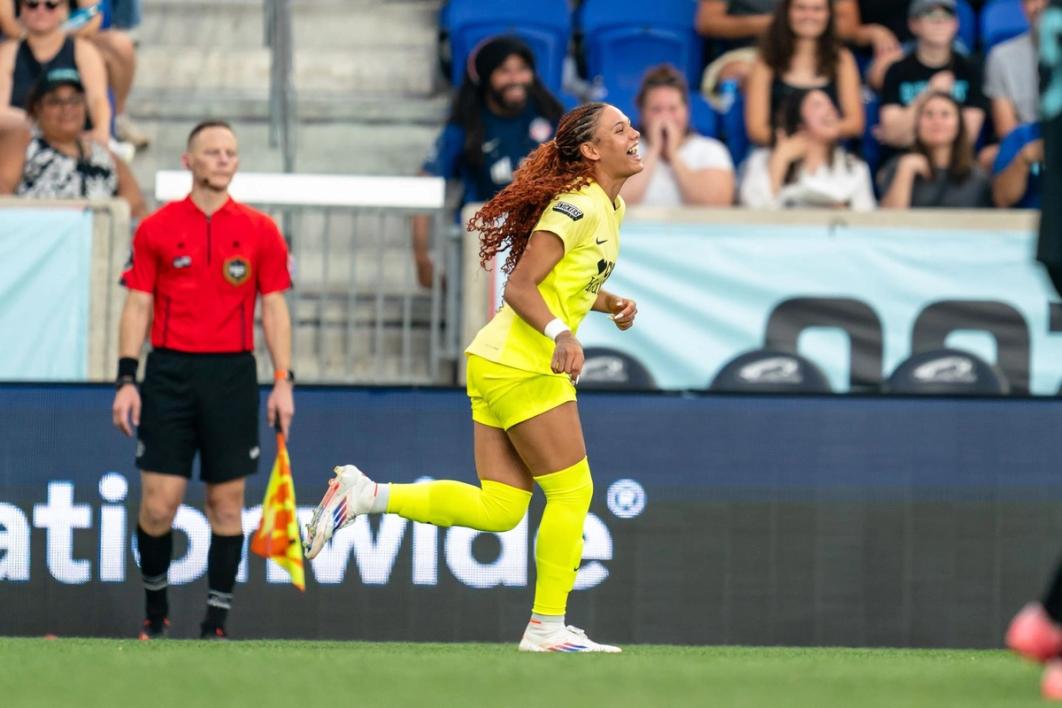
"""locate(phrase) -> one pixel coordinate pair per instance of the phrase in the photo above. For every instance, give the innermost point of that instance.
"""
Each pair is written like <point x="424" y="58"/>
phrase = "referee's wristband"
<point x="127" y="368"/>
<point x="554" y="328"/>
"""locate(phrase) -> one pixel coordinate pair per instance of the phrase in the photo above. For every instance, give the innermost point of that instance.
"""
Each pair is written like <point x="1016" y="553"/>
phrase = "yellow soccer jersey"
<point x="588" y="224"/>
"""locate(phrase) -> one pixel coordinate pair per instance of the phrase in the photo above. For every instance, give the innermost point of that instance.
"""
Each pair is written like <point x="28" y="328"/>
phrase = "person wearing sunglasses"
<point x="54" y="160"/>
<point x="44" y="47"/>
<point x="115" y="46"/>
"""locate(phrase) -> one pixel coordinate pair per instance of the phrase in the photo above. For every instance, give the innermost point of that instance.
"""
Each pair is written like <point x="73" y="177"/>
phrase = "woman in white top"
<point x="805" y="166"/>
<point x="679" y="166"/>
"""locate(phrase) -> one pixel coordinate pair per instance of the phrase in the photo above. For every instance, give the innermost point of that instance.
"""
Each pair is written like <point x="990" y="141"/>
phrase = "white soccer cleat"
<point x="540" y="636"/>
<point x="349" y="494"/>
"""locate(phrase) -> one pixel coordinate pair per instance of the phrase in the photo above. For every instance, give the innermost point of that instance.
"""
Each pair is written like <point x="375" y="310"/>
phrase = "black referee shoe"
<point x="154" y="629"/>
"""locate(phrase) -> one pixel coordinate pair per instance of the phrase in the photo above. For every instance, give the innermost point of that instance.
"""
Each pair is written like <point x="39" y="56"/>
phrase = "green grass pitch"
<point x="85" y="673"/>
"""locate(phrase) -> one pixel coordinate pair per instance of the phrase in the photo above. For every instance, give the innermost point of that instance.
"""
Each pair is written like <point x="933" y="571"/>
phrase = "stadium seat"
<point x="949" y="372"/>
<point x="1009" y="148"/>
<point x="623" y="38"/>
<point x="733" y="128"/>
<point x="768" y="371"/>
<point x="869" y="147"/>
<point x="611" y="369"/>
<point x="967" y="25"/>
<point x="545" y="25"/>
<point x="1000" y="21"/>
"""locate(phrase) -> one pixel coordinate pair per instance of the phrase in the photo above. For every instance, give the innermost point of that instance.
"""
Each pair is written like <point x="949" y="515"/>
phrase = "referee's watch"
<point x="284" y="375"/>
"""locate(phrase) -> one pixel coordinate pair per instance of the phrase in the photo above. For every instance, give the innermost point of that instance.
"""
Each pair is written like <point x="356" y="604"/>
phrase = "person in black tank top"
<point x="28" y="70"/>
<point x="801" y="50"/>
<point x="44" y="48"/>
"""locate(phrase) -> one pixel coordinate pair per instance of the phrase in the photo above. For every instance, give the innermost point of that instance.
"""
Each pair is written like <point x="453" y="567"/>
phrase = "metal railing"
<point x="358" y="315"/>
<point x="279" y="37"/>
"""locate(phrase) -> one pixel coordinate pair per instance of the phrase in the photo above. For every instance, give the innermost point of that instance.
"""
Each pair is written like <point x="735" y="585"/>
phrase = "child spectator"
<point x="933" y="65"/>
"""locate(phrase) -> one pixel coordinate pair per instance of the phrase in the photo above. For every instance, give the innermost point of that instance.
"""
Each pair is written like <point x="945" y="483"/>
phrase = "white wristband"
<point x="554" y="328"/>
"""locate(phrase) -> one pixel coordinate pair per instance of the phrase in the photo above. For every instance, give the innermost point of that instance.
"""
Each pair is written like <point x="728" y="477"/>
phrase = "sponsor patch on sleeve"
<point x="570" y="210"/>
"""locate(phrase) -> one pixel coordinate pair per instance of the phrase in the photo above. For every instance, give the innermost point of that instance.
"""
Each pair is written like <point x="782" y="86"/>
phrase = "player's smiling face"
<point x="213" y="158"/>
<point x="615" y="144"/>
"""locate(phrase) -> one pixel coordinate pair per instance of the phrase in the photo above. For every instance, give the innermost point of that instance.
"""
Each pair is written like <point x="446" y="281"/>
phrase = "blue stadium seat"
<point x="623" y="38"/>
<point x="1000" y="21"/>
<point x="869" y="145"/>
<point x="967" y="25"/>
<point x="735" y="134"/>
<point x="1009" y="148"/>
<point x="544" y="24"/>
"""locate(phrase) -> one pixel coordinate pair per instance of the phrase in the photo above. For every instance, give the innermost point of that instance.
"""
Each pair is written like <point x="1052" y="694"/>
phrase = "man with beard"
<point x="501" y="113"/>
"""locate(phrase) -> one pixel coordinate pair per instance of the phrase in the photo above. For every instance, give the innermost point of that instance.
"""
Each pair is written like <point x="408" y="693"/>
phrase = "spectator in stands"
<point x="501" y="113"/>
<point x="800" y="51"/>
<point x="115" y="47"/>
<point x="940" y="170"/>
<point x="806" y="165"/>
<point x="735" y="27"/>
<point x="1018" y="167"/>
<point x="881" y="28"/>
<point x="679" y="166"/>
<point x="932" y="65"/>
<point x="55" y="160"/>
<point x="1011" y="76"/>
<point x="44" y="47"/>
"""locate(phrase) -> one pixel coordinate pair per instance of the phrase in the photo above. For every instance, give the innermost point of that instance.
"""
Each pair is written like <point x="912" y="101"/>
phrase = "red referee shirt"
<point x="205" y="273"/>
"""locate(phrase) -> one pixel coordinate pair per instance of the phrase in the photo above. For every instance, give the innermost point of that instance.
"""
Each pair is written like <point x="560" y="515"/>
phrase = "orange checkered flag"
<point x="277" y="535"/>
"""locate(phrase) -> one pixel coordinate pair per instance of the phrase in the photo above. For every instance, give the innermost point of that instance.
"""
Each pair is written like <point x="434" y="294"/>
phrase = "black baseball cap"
<point x="53" y="79"/>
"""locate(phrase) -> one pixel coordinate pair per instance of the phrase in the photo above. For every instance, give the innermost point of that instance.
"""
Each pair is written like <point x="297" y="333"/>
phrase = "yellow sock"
<point x="560" y="536"/>
<point x="492" y="507"/>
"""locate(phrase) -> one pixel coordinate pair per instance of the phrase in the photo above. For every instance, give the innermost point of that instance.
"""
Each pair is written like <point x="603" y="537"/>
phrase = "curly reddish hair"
<point x="554" y="167"/>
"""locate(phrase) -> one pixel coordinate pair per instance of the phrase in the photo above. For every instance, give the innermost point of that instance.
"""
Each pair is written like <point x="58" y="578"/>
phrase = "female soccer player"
<point x="559" y="219"/>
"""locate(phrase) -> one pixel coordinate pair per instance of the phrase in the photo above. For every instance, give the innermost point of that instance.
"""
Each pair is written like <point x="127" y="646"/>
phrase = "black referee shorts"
<point x="199" y="402"/>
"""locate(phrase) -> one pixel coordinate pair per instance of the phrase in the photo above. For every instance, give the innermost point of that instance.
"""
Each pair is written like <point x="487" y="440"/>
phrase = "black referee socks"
<point x="223" y="561"/>
<point x="155" y="555"/>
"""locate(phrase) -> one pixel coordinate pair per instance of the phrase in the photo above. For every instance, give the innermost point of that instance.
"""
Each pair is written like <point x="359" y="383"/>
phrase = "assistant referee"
<point x="196" y="268"/>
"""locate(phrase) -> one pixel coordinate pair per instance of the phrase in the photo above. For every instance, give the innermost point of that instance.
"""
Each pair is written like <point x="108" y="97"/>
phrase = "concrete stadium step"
<point x="160" y="103"/>
<point x="340" y="47"/>
<point x="400" y="69"/>
<point x="317" y="23"/>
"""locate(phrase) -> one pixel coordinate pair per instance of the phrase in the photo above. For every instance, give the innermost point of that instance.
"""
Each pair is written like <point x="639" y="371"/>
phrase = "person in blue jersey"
<point x="501" y="113"/>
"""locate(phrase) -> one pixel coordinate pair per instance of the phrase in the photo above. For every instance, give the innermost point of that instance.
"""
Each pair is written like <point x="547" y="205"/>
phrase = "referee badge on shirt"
<point x="236" y="270"/>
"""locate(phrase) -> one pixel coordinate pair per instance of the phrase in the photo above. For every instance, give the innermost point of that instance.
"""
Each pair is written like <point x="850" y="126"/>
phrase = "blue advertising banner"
<point x="856" y="300"/>
<point x="45" y="258"/>
<point x="716" y="519"/>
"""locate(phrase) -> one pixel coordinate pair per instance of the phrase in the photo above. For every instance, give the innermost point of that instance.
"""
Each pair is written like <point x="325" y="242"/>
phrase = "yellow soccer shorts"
<point x="503" y="396"/>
